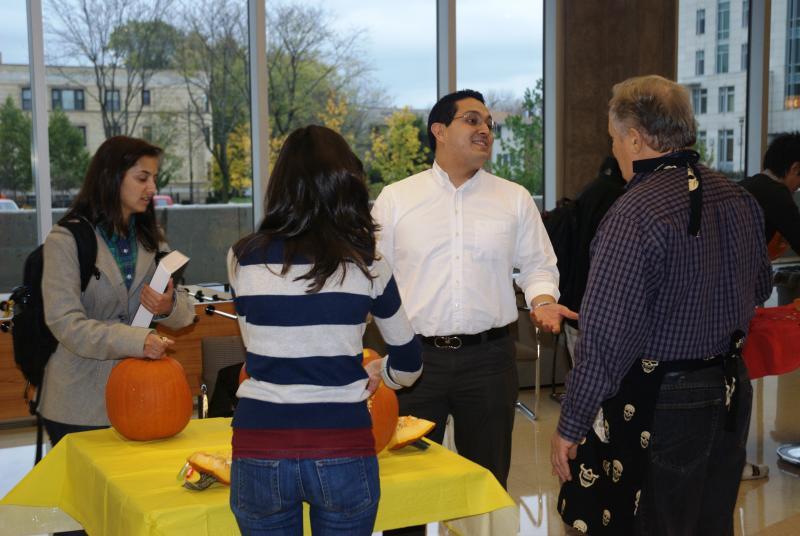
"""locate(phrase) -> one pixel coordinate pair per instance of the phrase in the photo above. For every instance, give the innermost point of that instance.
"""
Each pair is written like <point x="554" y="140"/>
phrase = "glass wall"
<point x="364" y="69"/>
<point x="17" y="212"/>
<point x="784" y="68"/>
<point x="712" y="63"/>
<point x="500" y="54"/>
<point x="783" y="111"/>
<point x="175" y="74"/>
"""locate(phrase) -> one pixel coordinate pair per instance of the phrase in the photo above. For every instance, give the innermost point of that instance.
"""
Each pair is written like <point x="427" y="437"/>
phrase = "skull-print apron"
<point x="608" y="471"/>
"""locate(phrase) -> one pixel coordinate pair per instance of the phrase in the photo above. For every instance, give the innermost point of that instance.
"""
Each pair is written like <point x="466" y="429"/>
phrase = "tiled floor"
<point x="765" y="507"/>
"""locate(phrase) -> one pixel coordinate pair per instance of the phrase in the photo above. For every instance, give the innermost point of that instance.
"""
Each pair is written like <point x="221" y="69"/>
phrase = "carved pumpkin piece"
<point x="148" y="398"/>
<point x="409" y="429"/>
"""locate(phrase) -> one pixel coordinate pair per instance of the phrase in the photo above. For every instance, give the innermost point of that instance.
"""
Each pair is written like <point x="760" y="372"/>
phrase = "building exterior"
<point x="712" y="63"/>
<point x="161" y="112"/>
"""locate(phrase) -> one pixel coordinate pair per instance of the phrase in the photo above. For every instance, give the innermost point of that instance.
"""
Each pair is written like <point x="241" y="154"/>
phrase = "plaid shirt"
<point x="656" y="292"/>
<point x="124" y="251"/>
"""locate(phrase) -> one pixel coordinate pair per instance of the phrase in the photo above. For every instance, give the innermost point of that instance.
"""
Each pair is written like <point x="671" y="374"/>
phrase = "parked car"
<point x="163" y="201"/>
<point x="8" y="205"/>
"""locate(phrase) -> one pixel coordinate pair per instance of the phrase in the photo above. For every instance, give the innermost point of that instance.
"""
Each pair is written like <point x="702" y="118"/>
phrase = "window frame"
<point x="722" y="63"/>
<point x="700" y="22"/>
<point x="700" y="100"/>
<point x="23" y="100"/>
<point x="700" y="62"/>
<point x="115" y="102"/>
<point x="58" y="103"/>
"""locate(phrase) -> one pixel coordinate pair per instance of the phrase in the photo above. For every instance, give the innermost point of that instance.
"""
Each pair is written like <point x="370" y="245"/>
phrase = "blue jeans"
<point x="267" y="496"/>
<point x="695" y="463"/>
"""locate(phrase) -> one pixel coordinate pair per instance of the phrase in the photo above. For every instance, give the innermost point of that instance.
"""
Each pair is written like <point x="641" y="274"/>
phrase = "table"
<point x="113" y="486"/>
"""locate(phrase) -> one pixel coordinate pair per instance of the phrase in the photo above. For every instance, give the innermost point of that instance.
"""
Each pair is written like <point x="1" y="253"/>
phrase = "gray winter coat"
<point x="92" y="327"/>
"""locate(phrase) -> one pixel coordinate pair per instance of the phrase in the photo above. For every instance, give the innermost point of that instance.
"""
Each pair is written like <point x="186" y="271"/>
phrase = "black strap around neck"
<point x="688" y="159"/>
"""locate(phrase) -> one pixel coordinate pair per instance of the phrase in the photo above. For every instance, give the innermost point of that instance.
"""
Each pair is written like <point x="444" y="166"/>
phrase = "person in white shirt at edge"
<point x="453" y="235"/>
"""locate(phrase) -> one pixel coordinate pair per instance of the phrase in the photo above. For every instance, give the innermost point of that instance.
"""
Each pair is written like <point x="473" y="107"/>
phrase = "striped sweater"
<point x="306" y="395"/>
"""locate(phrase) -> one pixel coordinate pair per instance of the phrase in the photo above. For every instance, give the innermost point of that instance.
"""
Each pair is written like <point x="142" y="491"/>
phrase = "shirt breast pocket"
<point x="494" y="240"/>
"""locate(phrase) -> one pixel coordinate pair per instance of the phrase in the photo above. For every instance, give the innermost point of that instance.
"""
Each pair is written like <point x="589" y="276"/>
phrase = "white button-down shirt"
<point x="453" y="250"/>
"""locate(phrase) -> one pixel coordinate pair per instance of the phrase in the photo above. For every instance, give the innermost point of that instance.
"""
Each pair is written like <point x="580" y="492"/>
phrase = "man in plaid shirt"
<point x="678" y="265"/>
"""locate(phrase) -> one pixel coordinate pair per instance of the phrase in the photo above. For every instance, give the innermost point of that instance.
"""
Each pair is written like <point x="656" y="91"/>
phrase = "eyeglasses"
<point x="475" y="120"/>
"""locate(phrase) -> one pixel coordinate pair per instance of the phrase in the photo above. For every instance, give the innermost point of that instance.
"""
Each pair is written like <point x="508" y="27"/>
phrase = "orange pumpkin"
<point x="383" y="408"/>
<point x="148" y="398"/>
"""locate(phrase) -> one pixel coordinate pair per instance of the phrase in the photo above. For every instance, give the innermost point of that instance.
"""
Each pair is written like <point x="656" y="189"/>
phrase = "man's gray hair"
<point x="659" y="109"/>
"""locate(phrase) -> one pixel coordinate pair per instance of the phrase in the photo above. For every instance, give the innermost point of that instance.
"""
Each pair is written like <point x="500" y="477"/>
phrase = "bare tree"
<point x="83" y="33"/>
<point x="308" y="60"/>
<point x="503" y="101"/>
<point x="214" y="62"/>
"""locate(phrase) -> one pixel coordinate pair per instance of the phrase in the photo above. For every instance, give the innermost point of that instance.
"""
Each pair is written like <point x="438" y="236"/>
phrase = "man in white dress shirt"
<point x="453" y="235"/>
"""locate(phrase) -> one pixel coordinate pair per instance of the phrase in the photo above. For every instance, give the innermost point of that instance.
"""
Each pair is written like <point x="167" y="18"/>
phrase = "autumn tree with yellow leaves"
<point x="397" y="150"/>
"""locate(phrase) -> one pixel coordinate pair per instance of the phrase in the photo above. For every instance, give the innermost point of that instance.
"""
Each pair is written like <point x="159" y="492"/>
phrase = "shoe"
<point x="753" y="471"/>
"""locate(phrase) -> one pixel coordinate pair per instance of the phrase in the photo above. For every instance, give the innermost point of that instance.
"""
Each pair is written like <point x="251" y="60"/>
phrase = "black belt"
<point x="454" y="342"/>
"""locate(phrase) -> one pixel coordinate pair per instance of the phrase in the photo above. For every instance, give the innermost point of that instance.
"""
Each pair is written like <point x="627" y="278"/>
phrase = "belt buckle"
<point x="447" y="343"/>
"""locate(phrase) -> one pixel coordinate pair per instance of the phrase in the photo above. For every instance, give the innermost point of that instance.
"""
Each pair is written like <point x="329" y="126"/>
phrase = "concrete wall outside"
<point x="202" y="232"/>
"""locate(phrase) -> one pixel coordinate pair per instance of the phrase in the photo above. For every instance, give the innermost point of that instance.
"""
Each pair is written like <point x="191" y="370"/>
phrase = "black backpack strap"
<point x="86" y="240"/>
<point x="39" y="427"/>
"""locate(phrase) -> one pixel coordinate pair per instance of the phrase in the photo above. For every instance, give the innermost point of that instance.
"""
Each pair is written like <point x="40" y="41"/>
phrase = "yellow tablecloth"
<point x="113" y="486"/>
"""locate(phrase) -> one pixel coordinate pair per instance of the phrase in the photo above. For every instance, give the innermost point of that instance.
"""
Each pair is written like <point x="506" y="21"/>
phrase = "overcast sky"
<point x="499" y="43"/>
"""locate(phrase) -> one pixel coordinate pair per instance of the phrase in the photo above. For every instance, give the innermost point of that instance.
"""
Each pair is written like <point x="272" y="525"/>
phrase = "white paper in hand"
<point x="166" y="267"/>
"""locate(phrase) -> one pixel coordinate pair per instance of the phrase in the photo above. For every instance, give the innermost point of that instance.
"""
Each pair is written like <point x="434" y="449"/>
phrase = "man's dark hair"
<point x="99" y="198"/>
<point x="445" y="109"/>
<point x="782" y="153"/>
<point x="318" y="205"/>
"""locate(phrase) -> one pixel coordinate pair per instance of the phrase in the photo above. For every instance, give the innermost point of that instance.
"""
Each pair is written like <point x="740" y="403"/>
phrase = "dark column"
<point x="602" y="43"/>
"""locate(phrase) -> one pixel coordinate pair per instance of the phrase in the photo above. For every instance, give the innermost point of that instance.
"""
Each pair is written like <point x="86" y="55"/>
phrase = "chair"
<point x="526" y="340"/>
<point x="217" y="353"/>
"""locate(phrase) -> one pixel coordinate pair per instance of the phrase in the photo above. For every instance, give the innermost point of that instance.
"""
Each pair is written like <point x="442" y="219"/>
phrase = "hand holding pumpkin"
<point x="373" y="370"/>
<point x="156" y="346"/>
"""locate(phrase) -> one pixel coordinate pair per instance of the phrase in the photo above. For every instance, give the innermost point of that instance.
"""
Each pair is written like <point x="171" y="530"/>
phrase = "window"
<point x="699" y="100"/>
<point x="116" y="130"/>
<point x="723" y="20"/>
<point x="726" y="99"/>
<point x="513" y="87"/>
<point x="715" y="102"/>
<point x="82" y="130"/>
<point x="18" y="235"/>
<point x="725" y="149"/>
<point x="701" y="146"/>
<point x="745" y="13"/>
<point x="26" y="98"/>
<point x="745" y="50"/>
<point x="67" y="99"/>
<point x="113" y="102"/>
<point x="700" y="22"/>
<point x="145" y="97"/>
<point x="792" y="70"/>
<point x="722" y="59"/>
<point x="147" y="133"/>
<point x="699" y="62"/>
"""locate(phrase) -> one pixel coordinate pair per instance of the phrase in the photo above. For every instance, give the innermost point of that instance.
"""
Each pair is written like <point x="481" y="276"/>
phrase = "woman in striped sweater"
<point x="304" y="284"/>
